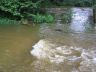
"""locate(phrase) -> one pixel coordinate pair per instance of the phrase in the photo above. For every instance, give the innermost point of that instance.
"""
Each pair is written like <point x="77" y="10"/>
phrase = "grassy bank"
<point x="37" y="19"/>
<point x="6" y="21"/>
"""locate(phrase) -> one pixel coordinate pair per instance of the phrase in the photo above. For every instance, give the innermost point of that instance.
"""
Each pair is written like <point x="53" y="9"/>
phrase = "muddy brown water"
<point x="16" y="42"/>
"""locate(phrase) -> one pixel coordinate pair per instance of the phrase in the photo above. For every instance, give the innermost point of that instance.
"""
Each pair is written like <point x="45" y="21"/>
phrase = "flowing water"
<point x="57" y="47"/>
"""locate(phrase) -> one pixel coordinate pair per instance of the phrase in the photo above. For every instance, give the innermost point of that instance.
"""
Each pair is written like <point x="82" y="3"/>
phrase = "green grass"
<point x="38" y="18"/>
<point x="5" y="21"/>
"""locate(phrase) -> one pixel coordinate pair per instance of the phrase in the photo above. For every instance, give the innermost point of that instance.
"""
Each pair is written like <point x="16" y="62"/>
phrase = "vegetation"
<point x="42" y="18"/>
<point x="19" y="10"/>
<point x="6" y="21"/>
<point x="79" y="3"/>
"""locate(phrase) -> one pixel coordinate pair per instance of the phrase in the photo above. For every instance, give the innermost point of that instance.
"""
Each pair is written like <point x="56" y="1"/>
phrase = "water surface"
<point x="15" y="45"/>
<point x="57" y="47"/>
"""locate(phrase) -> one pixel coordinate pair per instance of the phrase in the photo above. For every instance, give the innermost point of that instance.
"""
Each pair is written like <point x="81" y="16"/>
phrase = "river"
<point x="56" y="47"/>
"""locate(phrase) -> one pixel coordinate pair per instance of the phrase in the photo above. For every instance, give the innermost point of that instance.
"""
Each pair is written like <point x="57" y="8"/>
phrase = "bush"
<point x="38" y="18"/>
<point x="8" y="21"/>
<point x="20" y="7"/>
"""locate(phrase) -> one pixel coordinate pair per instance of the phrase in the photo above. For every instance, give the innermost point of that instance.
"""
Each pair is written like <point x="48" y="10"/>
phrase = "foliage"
<point x="8" y="21"/>
<point x="38" y="18"/>
<point x="79" y="3"/>
<point x="23" y="9"/>
<point x="19" y="7"/>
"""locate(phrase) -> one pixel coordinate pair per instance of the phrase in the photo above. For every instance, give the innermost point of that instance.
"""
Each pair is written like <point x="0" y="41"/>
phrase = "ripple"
<point x="84" y="59"/>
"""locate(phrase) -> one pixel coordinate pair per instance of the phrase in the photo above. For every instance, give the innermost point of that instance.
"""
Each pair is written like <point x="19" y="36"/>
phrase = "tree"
<point x="21" y="8"/>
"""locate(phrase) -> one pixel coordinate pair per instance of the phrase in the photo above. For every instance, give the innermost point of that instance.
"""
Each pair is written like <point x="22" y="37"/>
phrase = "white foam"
<point x="44" y="49"/>
<point x="38" y="50"/>
<point x="88" y="63"/>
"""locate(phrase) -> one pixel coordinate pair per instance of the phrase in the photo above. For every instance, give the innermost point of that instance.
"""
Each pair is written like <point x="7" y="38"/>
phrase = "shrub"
<point x="20" y="7"/>
<point x="8" y="21"/>
<point x="38" y="18"/>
